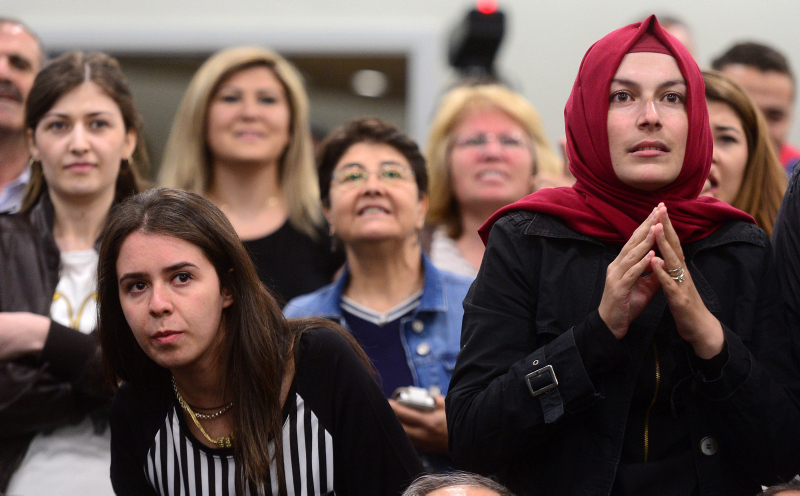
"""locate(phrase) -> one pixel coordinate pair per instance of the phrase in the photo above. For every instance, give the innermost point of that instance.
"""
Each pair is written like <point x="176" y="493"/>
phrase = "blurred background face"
<point x="491" y="159"/>
<point x="730" y="153"/>
<point x="19" y="63"/>
<point x="374" y="196"/>
<point x="773" y="94"/>
<point x="80" y="142"/>
<point x="249" y="118"/>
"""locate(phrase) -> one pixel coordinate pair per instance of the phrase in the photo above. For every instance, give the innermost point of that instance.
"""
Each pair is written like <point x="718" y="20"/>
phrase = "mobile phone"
<point x="415" y="397"/>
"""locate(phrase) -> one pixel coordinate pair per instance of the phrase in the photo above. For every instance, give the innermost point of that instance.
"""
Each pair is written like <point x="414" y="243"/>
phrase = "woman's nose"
<point x="648" y="115"/>
<point x="493" y="148"/>
<point x="160" y="303"/>
<point x="715" y="156"/>
<point x="249" y="108"/>
<point x="78" y="143"/>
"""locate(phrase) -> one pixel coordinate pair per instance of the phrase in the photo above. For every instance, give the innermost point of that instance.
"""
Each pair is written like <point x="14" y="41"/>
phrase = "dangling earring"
<point x="334" y="240"/>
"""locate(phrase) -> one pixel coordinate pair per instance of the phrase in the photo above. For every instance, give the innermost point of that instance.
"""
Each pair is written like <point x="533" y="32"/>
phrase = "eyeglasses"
<point x="353" y="175"/>
<point x="508" y="141"/>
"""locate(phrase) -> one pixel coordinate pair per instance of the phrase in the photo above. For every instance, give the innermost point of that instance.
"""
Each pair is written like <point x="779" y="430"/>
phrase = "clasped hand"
<point x="636" y="275"/>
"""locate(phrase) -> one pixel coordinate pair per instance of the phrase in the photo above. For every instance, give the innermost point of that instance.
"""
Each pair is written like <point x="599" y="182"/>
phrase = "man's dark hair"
<point x="756" y="55"/>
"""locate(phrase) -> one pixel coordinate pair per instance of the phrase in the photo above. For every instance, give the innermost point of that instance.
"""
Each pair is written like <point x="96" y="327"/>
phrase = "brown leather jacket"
<point x="65" y="382"/>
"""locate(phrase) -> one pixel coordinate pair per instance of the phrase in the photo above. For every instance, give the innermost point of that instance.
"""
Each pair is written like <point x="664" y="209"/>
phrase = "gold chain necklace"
<point x="223" y="442"/>
<point x="201" y="416"/>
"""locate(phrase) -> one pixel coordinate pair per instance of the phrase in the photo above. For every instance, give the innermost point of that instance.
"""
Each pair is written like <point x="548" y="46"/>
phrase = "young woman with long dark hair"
<point x="220" y="393"/>
<point x="85" y="151"/>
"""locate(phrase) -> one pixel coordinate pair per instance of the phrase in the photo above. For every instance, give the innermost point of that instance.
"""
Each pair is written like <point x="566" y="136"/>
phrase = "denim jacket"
<point x="431" y="335"/>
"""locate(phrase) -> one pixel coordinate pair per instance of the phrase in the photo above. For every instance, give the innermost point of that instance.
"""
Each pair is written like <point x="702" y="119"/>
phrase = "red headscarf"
<point x="599" y="204"/>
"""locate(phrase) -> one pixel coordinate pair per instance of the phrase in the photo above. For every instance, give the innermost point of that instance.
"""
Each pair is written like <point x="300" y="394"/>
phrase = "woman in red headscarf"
<point x="623" y="335"/>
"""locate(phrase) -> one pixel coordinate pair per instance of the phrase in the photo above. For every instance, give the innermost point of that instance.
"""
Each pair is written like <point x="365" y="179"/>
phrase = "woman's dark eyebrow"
<point x="178" y="266"/>
<point x="727" y="128"/>
<point x="165" y="270"/>
<point x="131" y="275"/>
<point x="66" y="116"/>
<point x="634" y="84"/>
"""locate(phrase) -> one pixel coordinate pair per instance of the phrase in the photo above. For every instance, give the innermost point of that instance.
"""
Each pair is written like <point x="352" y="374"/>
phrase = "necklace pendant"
<point x="225" y="442"/>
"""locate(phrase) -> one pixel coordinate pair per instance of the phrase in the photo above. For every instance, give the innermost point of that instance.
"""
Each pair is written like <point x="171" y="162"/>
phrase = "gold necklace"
<point x="201" y="416"/>
<point x="223" y="442"/>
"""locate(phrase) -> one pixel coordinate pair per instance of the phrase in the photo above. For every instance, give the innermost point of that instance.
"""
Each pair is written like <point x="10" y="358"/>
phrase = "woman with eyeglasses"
<point x="404" y="312"/>
<point x="487" y="148"/>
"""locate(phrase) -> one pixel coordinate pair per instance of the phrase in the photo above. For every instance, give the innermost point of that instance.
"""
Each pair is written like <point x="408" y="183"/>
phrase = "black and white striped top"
<point x="307" y="459"/>
<point x="339" y="435"/>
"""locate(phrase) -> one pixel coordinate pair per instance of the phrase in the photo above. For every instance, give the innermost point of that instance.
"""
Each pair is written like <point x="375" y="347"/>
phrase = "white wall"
<point x="543" y="48"/>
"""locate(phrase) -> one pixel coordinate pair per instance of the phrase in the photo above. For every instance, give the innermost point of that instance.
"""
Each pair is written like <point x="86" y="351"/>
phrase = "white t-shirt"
<point x="446" y="256"/>
<point x="70" y="460"/>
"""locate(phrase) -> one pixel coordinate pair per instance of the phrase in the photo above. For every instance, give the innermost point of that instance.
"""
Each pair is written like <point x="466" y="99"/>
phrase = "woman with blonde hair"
<point x="486" y="148"/>
<point x="241" y="138"/>
<point x="745" y="171"/>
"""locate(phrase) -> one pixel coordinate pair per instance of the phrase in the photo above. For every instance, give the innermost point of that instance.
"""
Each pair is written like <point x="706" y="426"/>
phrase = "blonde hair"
<point x="764" y="181"/>
<point x="454" y="105"/>
<point x="187" y="160"/>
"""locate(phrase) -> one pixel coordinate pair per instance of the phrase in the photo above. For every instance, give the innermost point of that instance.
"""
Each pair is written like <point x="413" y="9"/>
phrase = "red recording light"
<point x="486" y="6"/>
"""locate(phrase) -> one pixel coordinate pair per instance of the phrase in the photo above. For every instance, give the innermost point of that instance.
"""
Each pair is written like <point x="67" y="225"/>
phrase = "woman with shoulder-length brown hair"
<point x="84" y="138"/>
<point x="220" y="390"/>
<point x="242" y="139"/>
<point x="745" y="172"/>
<point x="486" y="148"/>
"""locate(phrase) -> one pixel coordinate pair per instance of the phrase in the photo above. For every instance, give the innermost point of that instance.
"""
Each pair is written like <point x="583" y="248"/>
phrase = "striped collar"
<point x="363" y="312"/>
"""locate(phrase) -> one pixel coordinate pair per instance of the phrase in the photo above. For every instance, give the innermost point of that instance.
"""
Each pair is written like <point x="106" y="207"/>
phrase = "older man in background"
<point x="20" y="60"/>
<point x="766" y="76"/>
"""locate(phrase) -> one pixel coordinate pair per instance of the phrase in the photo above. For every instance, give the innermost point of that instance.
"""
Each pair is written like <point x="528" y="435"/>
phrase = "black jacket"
<point x="786" y="246"/>
<point x="534" y="305"/>
<point x="65" y="382"/>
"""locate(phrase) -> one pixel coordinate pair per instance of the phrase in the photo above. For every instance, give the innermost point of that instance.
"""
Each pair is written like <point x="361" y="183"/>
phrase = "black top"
<point x="291" y="263"/>
<point x="383" y="344"/>
<point x="530" y="323"/>
<point x="339" y="434"/>
<point x="786" y="246"/>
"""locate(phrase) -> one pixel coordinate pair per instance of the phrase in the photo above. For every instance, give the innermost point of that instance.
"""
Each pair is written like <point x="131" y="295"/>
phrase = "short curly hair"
<point x="367" y="130"/>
